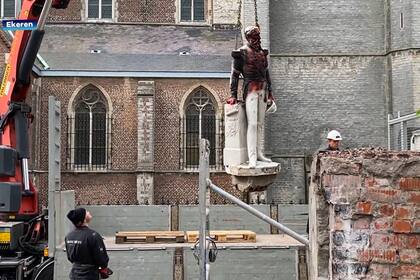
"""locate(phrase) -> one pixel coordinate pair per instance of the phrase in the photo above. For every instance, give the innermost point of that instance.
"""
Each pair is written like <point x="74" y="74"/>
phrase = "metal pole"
<point x="44" y="15"/>
<point x="389" y="132"/>
<point x="258" y="214"/>
<point x="54" y="170"/>
<point x="204" y="211"/>
<point x="401" y="132"/>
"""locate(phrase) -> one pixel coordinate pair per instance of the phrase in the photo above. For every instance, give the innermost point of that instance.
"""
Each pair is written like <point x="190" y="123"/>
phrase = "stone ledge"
<point x="262" y="169"/>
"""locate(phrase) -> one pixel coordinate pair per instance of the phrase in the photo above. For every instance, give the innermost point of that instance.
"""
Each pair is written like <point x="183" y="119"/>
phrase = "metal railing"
<point x="404" y="132"/>
<point x="89" y="143"/>
<point x="205" y="185"/>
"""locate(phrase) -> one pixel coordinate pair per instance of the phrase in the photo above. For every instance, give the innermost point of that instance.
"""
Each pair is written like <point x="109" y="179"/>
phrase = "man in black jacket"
<point x="86" y="249"/>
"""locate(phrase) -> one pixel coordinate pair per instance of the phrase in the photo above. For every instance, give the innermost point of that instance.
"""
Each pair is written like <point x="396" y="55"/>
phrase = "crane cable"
<point x="239" y="23"/>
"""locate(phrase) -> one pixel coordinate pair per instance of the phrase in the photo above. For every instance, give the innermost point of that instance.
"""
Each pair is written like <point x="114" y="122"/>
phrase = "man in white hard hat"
<point x="334" y="138"/>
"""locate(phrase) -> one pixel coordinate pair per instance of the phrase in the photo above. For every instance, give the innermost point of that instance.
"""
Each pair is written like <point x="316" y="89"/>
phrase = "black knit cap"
<point x="77" y="216"/>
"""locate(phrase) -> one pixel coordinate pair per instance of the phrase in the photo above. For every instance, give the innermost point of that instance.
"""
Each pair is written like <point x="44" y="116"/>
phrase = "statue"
<point x="251" y="61"/>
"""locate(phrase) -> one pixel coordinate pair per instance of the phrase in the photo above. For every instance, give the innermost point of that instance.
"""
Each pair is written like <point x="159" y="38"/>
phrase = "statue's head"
<point x="252" y="35"/>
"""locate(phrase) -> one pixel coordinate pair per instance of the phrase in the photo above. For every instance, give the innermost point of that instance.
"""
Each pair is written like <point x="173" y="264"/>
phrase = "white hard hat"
<point x="334" y="135"/>
<point x="272" y="108"/>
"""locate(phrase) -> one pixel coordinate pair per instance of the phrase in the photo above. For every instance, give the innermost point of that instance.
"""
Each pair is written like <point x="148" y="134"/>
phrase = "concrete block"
<point x="253" y="264"/>
<point x="224" y="217"/>
<point x="145" y="265"/>
<point x="294" y="216"/>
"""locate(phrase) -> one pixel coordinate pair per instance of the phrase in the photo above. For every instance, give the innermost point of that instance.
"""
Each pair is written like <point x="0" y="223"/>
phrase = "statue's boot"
<point x="261" y="157"/>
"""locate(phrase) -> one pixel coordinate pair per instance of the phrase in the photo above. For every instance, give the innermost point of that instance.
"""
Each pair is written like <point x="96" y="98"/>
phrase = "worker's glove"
<point x="232" y="101"/>
<point x="105" y="272"/>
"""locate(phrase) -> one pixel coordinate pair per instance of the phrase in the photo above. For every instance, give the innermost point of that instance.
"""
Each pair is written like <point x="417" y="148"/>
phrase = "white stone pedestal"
<point x="249" y="179"/>
<point x="235" y="151"/>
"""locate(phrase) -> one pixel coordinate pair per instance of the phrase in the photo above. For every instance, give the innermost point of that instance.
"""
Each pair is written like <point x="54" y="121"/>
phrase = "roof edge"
<point x="133" y="74"/>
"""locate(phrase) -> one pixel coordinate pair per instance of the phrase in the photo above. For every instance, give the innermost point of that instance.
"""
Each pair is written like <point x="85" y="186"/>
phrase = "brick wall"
<point x="146" y="11"/>
<point x="72" y="13"/>
<point x="169" y="95"/>
<point x="119" y="185"/>
<point x="122" y="93"/>
<point x="364" y="221"/>
<point x="182" y="188"/>
<point x="140" y="11"/>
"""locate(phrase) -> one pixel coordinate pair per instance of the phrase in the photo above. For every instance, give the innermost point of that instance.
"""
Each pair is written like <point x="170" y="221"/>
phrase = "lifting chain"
<point x="256" y="14"/>
<point x="239" y="23"/>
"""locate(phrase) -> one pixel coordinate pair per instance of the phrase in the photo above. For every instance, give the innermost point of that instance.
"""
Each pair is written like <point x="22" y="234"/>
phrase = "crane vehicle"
<point x="23" y="227"/>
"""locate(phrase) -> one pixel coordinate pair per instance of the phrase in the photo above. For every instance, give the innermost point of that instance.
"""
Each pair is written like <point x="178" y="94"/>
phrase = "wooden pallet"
<point x="226" y="236"/>
<point x="127" y="237"/>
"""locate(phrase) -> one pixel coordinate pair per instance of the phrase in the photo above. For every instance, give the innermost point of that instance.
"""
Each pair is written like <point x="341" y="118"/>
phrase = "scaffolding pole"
<point x="204" y="200"/>
<point x="258" y="214"/>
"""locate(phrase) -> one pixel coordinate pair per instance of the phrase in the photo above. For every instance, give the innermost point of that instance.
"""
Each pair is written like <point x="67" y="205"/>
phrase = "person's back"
<point x="85" y="249"/>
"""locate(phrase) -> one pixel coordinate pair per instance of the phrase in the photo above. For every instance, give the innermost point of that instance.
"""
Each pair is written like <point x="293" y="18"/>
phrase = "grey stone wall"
<point x="327" y="27"/>
<point x="414" y="7"/>
<point x="402" y="82"/>
<point x="289" y="186"/>
<point x="316" y="94"/>
<point x="401" y="38"/>
<point x="225" y="11"/>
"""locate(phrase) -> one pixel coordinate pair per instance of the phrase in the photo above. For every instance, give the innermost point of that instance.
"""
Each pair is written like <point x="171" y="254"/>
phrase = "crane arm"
<point x="18" y="195"/>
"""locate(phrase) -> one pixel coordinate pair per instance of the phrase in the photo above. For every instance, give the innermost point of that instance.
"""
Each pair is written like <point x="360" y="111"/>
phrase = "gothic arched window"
<point x="200" y="122"/>
<point x="90" y="141"/>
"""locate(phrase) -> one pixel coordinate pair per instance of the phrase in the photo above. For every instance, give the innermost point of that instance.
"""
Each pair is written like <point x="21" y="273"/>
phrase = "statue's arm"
<point x="234" y="77"/>
<point x="269" y="89"/>
<point x="268" y="78"/>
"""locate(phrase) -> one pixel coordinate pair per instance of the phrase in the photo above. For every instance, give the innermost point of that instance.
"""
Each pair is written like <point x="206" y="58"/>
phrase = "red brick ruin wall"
<point x="365" y="215"/>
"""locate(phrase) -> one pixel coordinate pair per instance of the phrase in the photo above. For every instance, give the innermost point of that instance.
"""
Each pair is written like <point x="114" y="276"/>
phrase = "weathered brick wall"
<point x="123" y="95"/>
<point x="119" y="185"/>
<point x="182" y="188"/>
<point x="72" y="13"/>
<point x="146" y="11"/>
<point x="140" y="11"/>
<point x="169" y="95"/>
<point x="365" y="215"/>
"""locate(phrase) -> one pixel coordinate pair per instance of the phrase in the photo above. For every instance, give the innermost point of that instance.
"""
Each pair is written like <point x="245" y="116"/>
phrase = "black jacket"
<point x="86" y="250"/>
